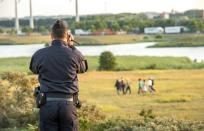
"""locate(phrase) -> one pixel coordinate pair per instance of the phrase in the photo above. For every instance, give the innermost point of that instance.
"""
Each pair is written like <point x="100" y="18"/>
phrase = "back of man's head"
<point x="59" y="30"/>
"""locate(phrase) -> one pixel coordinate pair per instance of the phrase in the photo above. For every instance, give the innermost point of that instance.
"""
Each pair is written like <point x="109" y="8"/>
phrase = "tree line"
<point x="126" y="22"/>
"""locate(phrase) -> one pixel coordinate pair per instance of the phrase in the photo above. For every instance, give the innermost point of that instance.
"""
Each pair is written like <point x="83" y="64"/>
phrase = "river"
<point x="120" y="49"/>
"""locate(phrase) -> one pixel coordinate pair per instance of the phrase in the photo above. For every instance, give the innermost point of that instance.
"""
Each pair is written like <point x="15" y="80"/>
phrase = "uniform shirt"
<point x="57" y="67"/>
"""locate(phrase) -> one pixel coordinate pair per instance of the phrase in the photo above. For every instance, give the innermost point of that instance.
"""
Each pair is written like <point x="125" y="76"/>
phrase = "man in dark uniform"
<point x="57" y="67"/>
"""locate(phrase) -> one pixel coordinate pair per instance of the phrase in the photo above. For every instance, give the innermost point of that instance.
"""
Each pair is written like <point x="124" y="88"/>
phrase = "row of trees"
<point x="126" y="22"/>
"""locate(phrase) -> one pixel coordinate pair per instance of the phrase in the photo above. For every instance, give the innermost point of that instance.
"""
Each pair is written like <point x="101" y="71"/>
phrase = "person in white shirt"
<point x="150" y="85"/>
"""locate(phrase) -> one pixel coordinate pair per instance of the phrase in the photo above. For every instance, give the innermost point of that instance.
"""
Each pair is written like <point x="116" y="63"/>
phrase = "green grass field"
<point x="180" y="93"/>
<point x="123" y="63"/>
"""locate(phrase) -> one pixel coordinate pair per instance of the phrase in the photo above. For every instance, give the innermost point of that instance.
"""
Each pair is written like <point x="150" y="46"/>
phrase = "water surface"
<point x="120" y="49"/>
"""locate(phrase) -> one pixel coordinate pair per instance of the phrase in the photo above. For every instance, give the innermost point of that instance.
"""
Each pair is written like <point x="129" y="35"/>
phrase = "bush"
<point x="158" y="37"/>
<point x="145" y="37"/>
<point x="17" y="104"/>
<point x="107" y="61"/>
<point x="151" y="66"/>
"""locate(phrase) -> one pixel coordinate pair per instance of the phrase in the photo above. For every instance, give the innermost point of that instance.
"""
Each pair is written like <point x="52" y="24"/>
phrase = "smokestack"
<point x="31" y="16"/>
<point x="16" y="15"/>
<point x="77" y="12"/>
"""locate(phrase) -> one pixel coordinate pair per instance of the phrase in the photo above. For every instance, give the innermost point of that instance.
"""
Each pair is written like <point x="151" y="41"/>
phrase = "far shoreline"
<point x="162" y="40"/>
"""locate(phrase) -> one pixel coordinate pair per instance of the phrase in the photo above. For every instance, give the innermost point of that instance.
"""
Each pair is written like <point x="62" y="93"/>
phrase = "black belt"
<point x="59" y="99"/>
<point x="58" y="95"/>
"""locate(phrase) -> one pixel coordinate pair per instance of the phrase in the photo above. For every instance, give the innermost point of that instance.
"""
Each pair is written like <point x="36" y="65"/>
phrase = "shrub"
<point x="17" y="104"/>
<point x="107" y="61"/>
<point x="145" y="37"/>
<point x="151" y="66"/>
<point x="158" y="37"/>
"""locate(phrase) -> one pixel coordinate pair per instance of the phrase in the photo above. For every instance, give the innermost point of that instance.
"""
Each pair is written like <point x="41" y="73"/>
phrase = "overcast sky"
<point x="67" y="7"/>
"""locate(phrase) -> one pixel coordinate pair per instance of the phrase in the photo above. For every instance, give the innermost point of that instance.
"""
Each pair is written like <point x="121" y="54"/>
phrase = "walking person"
<point x="144" y="87"/>
<point x="153" y="85"/>
<point x="140" y="85"/>
<point x="150" y="85"/>
<point x="123" y="84"/>
<point x="128" y="88"/>
<point x="118" y="86"/>
<point x="57" y="67"/>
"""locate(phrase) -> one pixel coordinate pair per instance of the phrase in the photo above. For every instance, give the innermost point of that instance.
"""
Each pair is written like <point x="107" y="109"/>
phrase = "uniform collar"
<point x="58" y="43"/>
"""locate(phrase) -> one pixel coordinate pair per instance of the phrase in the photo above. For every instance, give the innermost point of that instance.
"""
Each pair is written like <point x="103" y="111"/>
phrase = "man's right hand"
<point x="70" y="39"/>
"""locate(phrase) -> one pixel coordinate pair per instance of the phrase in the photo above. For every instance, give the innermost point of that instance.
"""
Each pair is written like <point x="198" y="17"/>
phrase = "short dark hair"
<point x="59" y="29"/>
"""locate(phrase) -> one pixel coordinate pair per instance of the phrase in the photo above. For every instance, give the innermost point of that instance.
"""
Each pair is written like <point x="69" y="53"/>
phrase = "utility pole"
<point x="16" y="16"/>
<point x="31" y="16"/>
<point x="77" y="12"/>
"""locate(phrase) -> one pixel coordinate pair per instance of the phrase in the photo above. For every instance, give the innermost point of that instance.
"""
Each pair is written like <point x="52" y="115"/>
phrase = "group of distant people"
<point x="123" y="86"/>
<point x="145" y="86"/>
